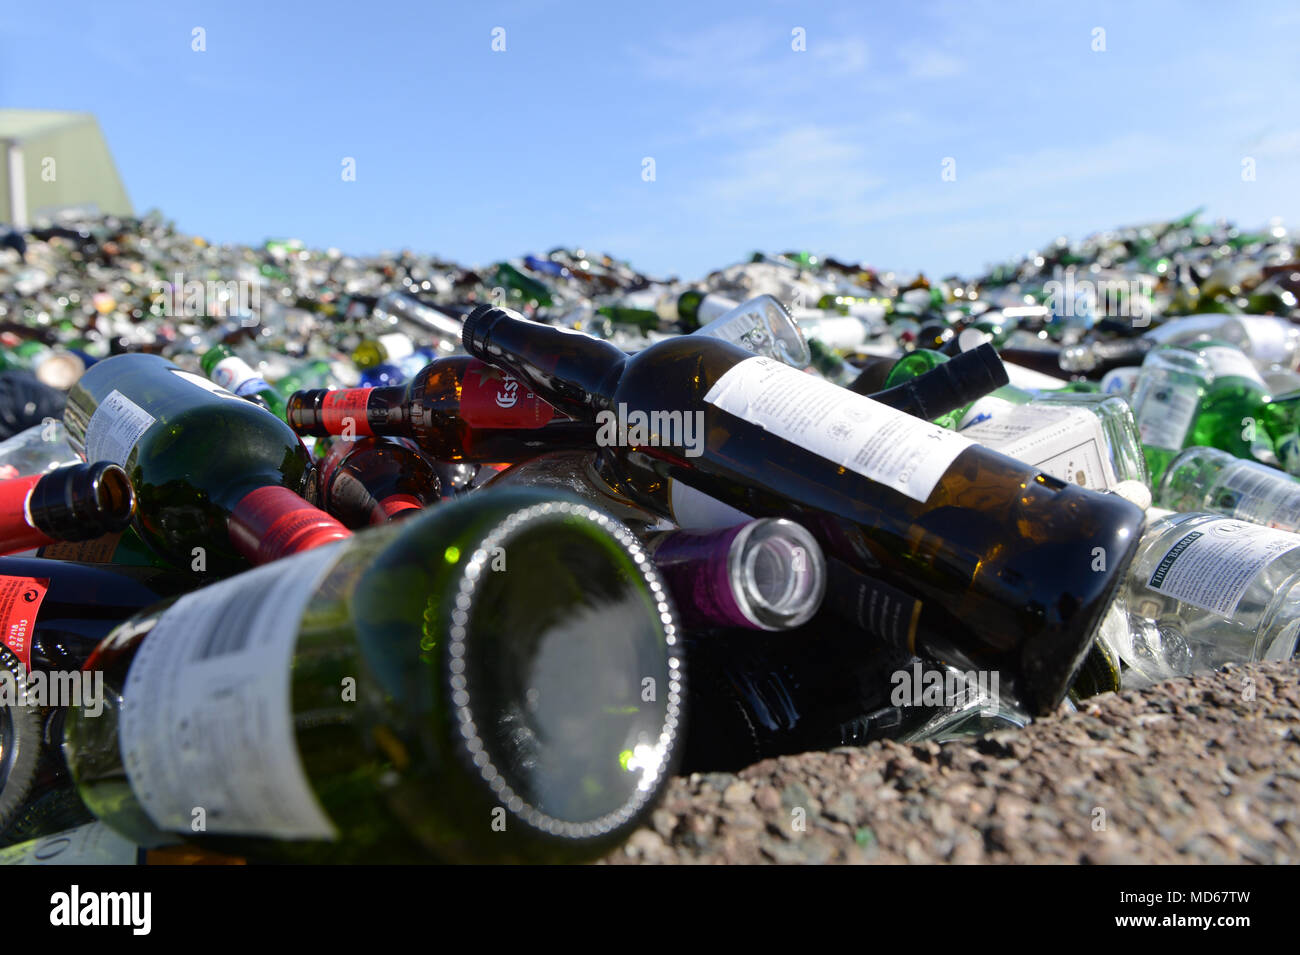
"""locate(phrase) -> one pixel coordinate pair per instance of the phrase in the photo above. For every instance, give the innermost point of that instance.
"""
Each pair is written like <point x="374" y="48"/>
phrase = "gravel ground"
<point x="1202" y="769"/>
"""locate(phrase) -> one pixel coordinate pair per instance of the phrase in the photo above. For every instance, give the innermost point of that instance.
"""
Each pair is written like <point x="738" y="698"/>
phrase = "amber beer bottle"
<point x="981" y="561"/>
<point x="455" y="409"/>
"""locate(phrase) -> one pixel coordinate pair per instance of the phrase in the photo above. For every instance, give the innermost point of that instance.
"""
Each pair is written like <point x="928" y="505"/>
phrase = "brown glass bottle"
<point x="373" y="480"/>
<point x="984" y="561"/>
<point x="455" y="409"/>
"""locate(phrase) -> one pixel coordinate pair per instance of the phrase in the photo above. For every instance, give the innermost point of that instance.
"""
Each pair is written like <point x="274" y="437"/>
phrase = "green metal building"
<point x="52" y="161"/>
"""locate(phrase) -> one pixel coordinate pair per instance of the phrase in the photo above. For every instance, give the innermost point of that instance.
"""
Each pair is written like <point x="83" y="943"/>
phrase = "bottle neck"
<point x="272" y="522"/>
<point x="73" y="503"/>
<point x="573" y="372"/>
<point x="948" y="386"/>
<point x="351" y="412"/>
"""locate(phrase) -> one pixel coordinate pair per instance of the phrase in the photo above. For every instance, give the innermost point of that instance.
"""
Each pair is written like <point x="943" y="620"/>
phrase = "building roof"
<point x="23" y="124"/>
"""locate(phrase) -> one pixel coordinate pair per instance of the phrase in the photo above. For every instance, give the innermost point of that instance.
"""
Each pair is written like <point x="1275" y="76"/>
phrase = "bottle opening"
<point x="565" y="669"/>
<point x="113" y="493"/>
<point x="782" y="573"/>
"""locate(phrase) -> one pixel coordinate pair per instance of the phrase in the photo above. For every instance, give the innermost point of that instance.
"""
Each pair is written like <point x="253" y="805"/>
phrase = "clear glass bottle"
<point x="1205" y="590"/>
<point x="1207" y="479"/>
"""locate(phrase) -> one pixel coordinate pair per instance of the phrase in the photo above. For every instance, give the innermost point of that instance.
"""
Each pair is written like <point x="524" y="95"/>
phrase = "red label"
<point x="395" y="505"/>
<point x="15" y="533"/>
<point x="20" y="601"/>
<point x="347" y="405"/>
<point x="490" y="398"/>
<point x="273" y="522"/>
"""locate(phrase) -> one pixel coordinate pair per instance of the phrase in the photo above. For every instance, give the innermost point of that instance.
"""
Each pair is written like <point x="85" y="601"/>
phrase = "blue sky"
<point x="479" y="155"/>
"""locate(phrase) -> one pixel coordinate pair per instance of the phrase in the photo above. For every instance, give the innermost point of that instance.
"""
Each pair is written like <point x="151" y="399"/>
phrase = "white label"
<point x="1067" y="443"/>
<point x="1167" y="413"/>
<point x="203" y="383"/>
<point x="115" y="427"/>
<point x="91" y="844"/>
<point x="1268" y="337"/>
<point x="837" y="332"/>
<point x="1264" y="496"/>
<point x="876" y="441"/>
<point x="231" y="373"/>
<point x="1212" y="566"/>
<point x="207" y="720"/>
<point x="696" y="511"/>
<point x="1230" y="363"/>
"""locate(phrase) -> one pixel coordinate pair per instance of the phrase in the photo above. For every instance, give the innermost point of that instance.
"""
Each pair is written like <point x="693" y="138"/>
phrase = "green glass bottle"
<point x="642" y="318"/>
<point x="216" y="477"/>
<point x="444" y="687"/>
<point x="523" y="287"/>
<point x="315" y="373"/>
<point x="1205" y="394"/>
<point x="234" y="374"/>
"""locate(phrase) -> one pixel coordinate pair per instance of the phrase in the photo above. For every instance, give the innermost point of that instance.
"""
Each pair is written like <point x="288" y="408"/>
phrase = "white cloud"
<point x="815" y="168"/>
<point x="932" y="65"/>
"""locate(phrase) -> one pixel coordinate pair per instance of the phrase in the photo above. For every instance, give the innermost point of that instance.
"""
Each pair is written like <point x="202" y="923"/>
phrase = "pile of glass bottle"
<point x="1154" y="366"/>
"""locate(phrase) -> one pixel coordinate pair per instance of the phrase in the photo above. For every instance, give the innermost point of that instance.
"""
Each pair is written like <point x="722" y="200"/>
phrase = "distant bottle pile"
<point x="323" y="558"/>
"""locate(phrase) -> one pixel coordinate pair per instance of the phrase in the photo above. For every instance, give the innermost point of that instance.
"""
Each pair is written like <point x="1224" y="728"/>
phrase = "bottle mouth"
<point x="474" y="333"/>
<point x="789" y="339"/>
<point x="565" y="670"/>
<point x="82" y="501"/>
<point x="782" y="573"/>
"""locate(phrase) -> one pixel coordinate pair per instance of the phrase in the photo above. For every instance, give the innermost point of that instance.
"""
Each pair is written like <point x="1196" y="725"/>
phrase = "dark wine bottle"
<point x="1006" y="568"/>
<point x="754" y="696"/>
<point x="210" y="470"/>
<point x="373" y="480"/>
<point x="456" y="409"/>
<point x="76" y="502"/>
